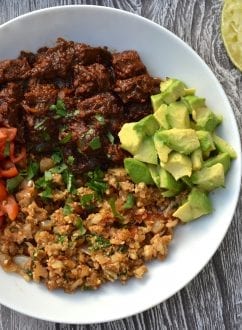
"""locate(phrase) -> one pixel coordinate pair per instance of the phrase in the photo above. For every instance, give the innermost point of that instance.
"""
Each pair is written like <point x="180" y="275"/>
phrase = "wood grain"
<point x="213" y="300"/>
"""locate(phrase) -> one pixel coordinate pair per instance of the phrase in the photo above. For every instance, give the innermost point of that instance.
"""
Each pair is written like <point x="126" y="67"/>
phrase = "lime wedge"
<point x="231" y="28"/>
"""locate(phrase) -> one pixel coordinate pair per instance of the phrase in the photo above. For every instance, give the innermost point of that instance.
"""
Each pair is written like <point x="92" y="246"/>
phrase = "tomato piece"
<point x="21" y="156"/>
<point x="3" y="192"/>
<point x="8" y="169"/>
<point x="10" y="207"/>
<point x="9" y="133"/>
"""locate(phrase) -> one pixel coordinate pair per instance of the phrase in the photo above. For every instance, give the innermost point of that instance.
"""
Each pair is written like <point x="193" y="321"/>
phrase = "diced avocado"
<point x="206" y="119"/>
<point x="160" y="116"/>
<point x="130" y="138"/>
<point x="162" y="150"/>
<point x="147" y="152"/>
<point x="193" y="102"/>
<point x="223" y="159"/>
<point x="209" y="178"/>
<point x="190" y="91"/>
<point x="148" y="125"/>
<point x="138" y="171"/>
<point x="173" y="92"/>
<point x="223" y="146"/>
<point x="154" y="172"/>
<point x="197" y="159"/>
<point x="156" y="101"/>
<point x="169" y="193"/>
<point x="197" y="204"/>
<point x="165" y="84"/>
<point x="182" y="140"/>
<point x="178" y="165"/>
<point x="206" y="142"/>
<point x="187" y="181"/>
<point x="178" y="116"/>
<point x="168" y="182"/>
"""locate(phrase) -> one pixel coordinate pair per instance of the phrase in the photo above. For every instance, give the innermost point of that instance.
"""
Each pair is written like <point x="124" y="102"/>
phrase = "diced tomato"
<point x="8" y="169"/>
<point x="8" y="133"/>
<point x="21" y="156"/>
<point x="3" y="192"/>
<point x="10" y="207"/>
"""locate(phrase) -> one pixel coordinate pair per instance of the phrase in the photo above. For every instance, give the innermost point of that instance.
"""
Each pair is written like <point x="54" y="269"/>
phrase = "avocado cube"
<point x="156" y="101"/>
<point x="197" y="159"/>
<point x="154" y="172"/>
<point x="209" y="178"/>
<point x="206" y="142"/>
<point x="206" y="120"/>
<point x="173" y="92"/>
<point x="223" y="146"/>
<point x="130" y="138"/>
<point x="178" y="165"/>
<point x="190" y="91"/>
<point x="165" y="84"/>
<point x="138" y="171"/>
<point x="168" y="182"/>
<point x="161" y="149"/>
<point x="178" y="115"/>
<point x="193" y="102"/>
<point x="147" y="125"/>
<point x="197" y="204"/>
<point x="184" y="141"/>
<point x="222" y="158"/>
<point x="147" y="152"/>
<point x="160" y="116"/>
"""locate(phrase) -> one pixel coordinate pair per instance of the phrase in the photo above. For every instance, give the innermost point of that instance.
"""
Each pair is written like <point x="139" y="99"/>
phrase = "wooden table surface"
<point x="213" y="300"/>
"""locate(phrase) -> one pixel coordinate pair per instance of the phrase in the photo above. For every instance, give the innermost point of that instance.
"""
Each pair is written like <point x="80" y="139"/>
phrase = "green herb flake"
<point x="47" y="193"/>
<point x="29" y="272"/>
<point x="110" y="137"/>
<point x="48" y="176"/>
<point x="39" y="124"/>
<point x="116" y="214"/>
<point x="98" y="242"/>
<point x="100" y="119"/>
<point x="67" y="209"/>
<point x="87" y="201"/>
<point x="95" y="143"/>
<point x="32" y="170"/>
<point x="67" y="138"/>
<point x="57" y="157"/>
<point x="13" y="183"/>
<point x="80" y="226"/>
<point x="129" y="202"/>
<point x="60" y="238"/>
<point x="59" y="108"/>
<point x="96" y="182"/>
<point x="6" y="151"/>
<point x="69" y="180"/>
<point x="70" y="160"/>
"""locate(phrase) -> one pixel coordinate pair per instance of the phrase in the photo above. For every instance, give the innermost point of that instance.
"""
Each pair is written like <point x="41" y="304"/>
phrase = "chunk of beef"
<point x="39" y="97"/>
<point x="54" y="62"/>
<point x="115" y="154"/>
<point x="10" y="112"/>
<point x="127" y="64"/>
<point x="92" y="79"/>
<point x="30" y="57"/>
<point x="136" y="111"/>
<point x="14" y="70"/>
<point x="137" y="89"/>
<point x="86" y="55"/>
<point x="104" y="104"/>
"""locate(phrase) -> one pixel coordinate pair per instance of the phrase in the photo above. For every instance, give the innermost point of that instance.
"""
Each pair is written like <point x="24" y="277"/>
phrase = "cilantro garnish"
<point x="110" y="137"/>
<point x="80" y="226"/>
<point x="57" y="157"/>
<point x="96" y="182"/>
<point x="98" y="242"/>
<point x="67" y="138"/>
<point x="59" y="108"/>
<point x="67" y="209"/>
<point x="70" y="160"/>
<point x="116" y="214"/>
<point x="13" y="183"/>
<point x="87" y="201"/>
<point x="100" y="119"/>
<point x="129" y="202"/>
<point x="95" y="143"/>
<point x="61" y="238"/>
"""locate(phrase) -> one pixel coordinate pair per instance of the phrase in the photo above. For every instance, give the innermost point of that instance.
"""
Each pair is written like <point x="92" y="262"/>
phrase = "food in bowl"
<point x="71" y="215"/>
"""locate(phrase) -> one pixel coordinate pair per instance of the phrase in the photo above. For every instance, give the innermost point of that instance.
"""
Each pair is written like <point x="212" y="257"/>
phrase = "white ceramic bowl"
<point x="194" y="244"/>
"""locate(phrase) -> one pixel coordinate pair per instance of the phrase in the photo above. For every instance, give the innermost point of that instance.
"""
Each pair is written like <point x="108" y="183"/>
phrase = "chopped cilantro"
<point x="100" y="119"/>
<point x="96" y="182"/>
<point x="87" y="201"/>
<point x="68" y="178"/>
<point x="129" y="202"/>
<point x="32" y="170"/>
<point x="59" y="108"/>
<point x="29" y="272"/>
<point x="116" y="214"/>
<point x="70" y="160"/>
<point x="39" y="125"/>
<point x="95" y="143"/>
<point x="110" y="137"/>
<point x="48" y="176"/>
<point x="98" y="242"/>
<point x="47" y="193"/>
<point x="13" y="183"/>
<point x="6" y="151"/>
<point x="67" y="138"/>
<point x="57" y="157"/>
<point x="123" y="248"/>
<point x="61" y="238"/>
<point x="67" y="209"/>
<point x="80" y="226"/>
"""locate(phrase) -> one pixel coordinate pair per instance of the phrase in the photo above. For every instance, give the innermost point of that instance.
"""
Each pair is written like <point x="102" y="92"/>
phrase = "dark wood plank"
<point x="213" y="300"/>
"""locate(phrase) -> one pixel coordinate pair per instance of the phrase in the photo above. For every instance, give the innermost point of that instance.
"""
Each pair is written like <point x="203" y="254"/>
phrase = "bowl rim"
<point x="183" y="44"/>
